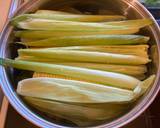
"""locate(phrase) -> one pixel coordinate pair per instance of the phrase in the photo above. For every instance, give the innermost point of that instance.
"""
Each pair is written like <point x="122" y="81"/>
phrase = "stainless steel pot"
<point x="132" y="9"/>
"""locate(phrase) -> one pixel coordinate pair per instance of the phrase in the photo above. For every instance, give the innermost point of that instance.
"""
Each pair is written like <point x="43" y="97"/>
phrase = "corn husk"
<point x="124" y="69"/>
<point x="72" y="91"/>
<point x="68" y="17"/>
<point x="85" y="56"/>
<point x="37" y="34"/>
<point x="83" y="116"/>
<point x="136" y="71"/>
<point x="70" y="26"/>
<point x="139" y="23"/>
<point x="89" y="40"/>
<point x="138" y="50"/>
<point x="100" y="77"/>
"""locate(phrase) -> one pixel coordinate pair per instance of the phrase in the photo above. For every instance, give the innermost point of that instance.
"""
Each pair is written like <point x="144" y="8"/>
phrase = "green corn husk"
<point x="89" y="40"/>
<point x="83" y="116"/>
<point x="139" y="23"/>
<point x="68" y="17"/>
<point x="30" y="34"/>
<point x="124" y="69"/>
<point x="84" y="56"/>
<point x="70" y="26"/>
<point x="96" y="76"/>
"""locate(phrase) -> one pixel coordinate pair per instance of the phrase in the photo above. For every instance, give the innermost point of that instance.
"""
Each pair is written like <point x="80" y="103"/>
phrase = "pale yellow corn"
<point x="37" y="74"/>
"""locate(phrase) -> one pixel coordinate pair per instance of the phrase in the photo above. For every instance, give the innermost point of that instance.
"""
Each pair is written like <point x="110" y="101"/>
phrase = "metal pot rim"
<point x="29" y="115"/>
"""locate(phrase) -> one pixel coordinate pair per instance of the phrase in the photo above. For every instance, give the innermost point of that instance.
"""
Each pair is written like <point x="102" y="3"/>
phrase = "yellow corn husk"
<point x="138" y="50"/>
<point x="35" y="34"/>
<point x="97" y="40"/>
<point x="73" y="91"/>
<point x="56" y="25"/>
<point x="85" y="56"/>
<point x="84" y="114"/>
<point x="68" y="26"/>
<point x="136" y="71"/>
<point x="68" y="17"/>
<point x="140" y="23"/>
<point x="78" y="91"/>
<point x="140" y="53"/>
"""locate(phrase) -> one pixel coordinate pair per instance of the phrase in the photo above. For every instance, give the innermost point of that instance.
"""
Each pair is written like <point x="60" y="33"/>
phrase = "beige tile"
<point x="4" y="9"/>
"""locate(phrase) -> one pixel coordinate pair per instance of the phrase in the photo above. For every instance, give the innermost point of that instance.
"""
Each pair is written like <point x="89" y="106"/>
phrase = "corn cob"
<point x="36" y="74"/>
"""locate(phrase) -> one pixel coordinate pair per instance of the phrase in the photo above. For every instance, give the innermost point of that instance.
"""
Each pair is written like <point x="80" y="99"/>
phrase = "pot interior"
<point x="87" y="7"/>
